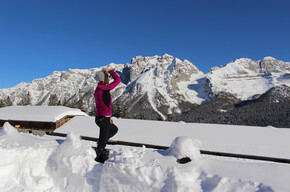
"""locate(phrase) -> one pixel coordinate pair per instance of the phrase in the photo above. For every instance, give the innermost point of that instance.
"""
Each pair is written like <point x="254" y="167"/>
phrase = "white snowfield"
<point x="55" y="164"/>
<point x="38" y="113"/>
<point x="261" y="141"/>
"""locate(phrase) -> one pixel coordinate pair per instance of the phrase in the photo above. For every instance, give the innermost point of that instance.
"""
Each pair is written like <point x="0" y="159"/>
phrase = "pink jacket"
<point x="103" y="97"/>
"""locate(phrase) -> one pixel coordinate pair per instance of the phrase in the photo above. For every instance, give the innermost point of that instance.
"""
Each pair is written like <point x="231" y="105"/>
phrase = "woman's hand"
<point x="111" y="121"/>
<point x="106" y="70"/>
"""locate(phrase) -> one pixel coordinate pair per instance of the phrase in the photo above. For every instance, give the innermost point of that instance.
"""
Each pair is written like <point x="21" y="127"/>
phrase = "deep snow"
<point x="32" y="163"/>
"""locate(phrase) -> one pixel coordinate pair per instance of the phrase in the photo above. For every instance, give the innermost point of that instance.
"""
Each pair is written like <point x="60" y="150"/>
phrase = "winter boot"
<point x="102" y="155"/>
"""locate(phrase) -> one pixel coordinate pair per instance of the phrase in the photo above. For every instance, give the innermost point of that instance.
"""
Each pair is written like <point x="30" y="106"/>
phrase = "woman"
<point x="103" y="118"/>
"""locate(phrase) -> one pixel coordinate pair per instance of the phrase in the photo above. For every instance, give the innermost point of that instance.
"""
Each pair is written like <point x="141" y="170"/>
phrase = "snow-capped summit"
<point x="244" y="77"/>
<point x="160" y="85"/>
<point x="141" y="64"/>
<point x="270" y="64"/>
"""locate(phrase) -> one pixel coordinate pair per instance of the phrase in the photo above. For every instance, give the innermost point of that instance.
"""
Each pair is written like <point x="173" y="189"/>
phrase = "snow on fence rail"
<point x="204" y="152"/>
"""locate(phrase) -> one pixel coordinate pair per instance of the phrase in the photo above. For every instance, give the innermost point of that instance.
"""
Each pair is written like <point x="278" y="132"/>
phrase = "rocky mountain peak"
<point x="152" y="60"/>
<point x="270" y="64"/>
<point x="246" y="65"/>
<point x="163" y="65"/>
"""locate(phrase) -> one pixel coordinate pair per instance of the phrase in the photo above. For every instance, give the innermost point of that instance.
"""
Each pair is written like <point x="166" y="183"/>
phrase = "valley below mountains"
<point x="243" y="92"/>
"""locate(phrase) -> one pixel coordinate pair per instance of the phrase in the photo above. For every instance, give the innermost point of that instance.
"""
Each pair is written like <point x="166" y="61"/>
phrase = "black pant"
<point x="107" y="130"/>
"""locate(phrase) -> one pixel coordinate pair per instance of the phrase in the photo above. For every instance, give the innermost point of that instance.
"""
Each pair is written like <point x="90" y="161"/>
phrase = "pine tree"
<point x="119" y="110"/>
<point x="5" y="102"/>
<point x="26" y="100"/>
<point x="92" y="111"/>
<point x="141" y="115"/>
<point x="2" y="103"/>
<point x="169" y="117"/>
<point x="116" y="109"/>
<point x="80" y="104"/>
<point x="8" y="102"/>
<point x="125" y="113"/>
<point x="53" y="100"/>
<point x="64" y="102"/>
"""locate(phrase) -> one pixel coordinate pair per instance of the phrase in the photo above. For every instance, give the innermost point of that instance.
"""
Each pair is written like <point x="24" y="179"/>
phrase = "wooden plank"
<point x="244" y="156"/>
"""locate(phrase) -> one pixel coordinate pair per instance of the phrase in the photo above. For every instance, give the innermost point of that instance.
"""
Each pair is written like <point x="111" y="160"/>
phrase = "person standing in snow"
<point x="103" y="118"/>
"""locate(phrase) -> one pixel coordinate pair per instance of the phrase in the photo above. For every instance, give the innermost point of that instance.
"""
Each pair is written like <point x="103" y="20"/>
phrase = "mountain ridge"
<point x="164" y="85"/>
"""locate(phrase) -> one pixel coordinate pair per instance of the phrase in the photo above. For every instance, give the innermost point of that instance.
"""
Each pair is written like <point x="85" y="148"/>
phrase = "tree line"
<point x="218" y="111"/>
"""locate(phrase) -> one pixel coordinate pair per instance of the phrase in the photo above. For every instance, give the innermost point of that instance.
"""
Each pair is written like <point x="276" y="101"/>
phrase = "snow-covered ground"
<point x="262" y="141"/>
<point x="33" y="163"/>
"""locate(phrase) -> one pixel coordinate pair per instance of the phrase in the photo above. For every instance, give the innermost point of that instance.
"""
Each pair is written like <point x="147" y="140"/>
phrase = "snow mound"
<point x="71" y="143"/>
<point x="183" y="147"/>
<point x="8" y="130"/>
<point x="69" y="164"/>
<point x="23" y="160"/>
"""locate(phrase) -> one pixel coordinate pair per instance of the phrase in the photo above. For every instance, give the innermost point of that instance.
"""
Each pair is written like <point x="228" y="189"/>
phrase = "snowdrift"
<point x="31" y="163"/>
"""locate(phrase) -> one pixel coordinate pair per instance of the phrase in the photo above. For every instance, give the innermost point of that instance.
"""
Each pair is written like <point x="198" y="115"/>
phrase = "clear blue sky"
<point x="38" y="37"/>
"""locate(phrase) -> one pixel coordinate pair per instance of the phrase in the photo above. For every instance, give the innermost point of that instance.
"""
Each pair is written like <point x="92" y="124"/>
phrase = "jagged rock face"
<point x="179" y="70"/>
<point x="270" y="64"/>
<point x="159" y="79"/>
<point x="158" y="86"/>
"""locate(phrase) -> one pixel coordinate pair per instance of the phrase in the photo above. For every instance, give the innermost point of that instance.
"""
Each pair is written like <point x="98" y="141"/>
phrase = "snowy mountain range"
<point x="156" y="87"/>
